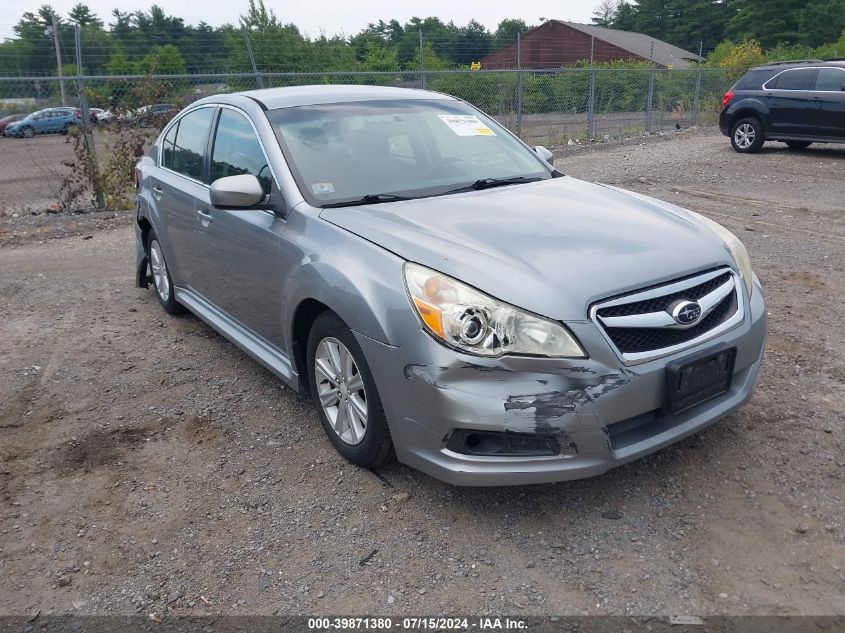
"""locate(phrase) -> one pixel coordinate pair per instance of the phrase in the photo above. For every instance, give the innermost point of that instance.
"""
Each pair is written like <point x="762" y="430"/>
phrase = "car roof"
<point x="801" y="63"/>
<point x="273" y="98"/>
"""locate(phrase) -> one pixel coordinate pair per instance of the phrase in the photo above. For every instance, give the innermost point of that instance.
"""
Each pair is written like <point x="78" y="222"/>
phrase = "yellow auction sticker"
<point x="466" y="125"/>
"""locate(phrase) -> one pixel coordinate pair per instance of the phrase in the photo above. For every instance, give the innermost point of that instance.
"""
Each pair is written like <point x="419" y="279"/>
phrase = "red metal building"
<point x="555" y="43"/>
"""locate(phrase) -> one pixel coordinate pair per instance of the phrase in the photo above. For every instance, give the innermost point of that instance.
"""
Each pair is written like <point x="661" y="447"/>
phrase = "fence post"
<point x="519" y="85"/>
<point x="88" y="137"/>
<point x="259" y="80"/>
<point x="422" y="62"/>
<point x="696" y="107"/>
<point x="650" y="104"/>
<point x="591" y="104"/>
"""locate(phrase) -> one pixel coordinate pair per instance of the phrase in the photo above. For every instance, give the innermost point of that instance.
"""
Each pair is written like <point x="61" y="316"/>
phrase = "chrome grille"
<point x="640" y="325"/>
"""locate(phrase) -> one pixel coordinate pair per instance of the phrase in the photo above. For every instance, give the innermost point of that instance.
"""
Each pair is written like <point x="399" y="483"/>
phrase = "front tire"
<point x="747" y="135"/>
<point x="798" y="145"/>
<point x="345" y="394"/>
<point x="28" y="132"/>
<point x="162" y="282"/>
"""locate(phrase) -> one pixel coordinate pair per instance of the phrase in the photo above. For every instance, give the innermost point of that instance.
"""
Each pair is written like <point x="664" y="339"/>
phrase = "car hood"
<point x="551" y="247"/>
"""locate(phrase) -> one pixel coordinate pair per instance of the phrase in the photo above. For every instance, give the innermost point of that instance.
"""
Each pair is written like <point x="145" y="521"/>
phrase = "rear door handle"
<point x="157" y="192"/>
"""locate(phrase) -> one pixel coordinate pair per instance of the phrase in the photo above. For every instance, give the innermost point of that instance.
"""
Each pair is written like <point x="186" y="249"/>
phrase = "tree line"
<point x="773" y="24"/>
<point x="141" y="42"/>
<point x="154" y="42"/>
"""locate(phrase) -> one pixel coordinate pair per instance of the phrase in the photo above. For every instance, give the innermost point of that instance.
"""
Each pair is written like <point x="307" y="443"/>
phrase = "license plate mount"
<point x="696" y="379"/>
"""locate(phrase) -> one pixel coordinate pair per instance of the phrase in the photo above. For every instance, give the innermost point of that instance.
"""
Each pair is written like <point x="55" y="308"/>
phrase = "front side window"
<point x="798" y="79"/>
<point x="341" y="152"/>
<point x="237" y="150"/>
<point x="190" y="142"/>
<point x="830" y="79"/>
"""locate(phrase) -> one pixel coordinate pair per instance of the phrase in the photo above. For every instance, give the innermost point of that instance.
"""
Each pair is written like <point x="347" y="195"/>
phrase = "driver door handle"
<point x="204" y="215"/>
<point x="157" y="192"/>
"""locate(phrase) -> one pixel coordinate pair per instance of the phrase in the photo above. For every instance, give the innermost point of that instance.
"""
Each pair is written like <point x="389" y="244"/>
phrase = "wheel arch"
<point x="366" y="293"/>
<point x="748" y="108"/>
<point x="304" y="316"/>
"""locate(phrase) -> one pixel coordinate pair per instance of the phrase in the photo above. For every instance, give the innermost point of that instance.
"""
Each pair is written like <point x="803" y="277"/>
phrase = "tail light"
<point x="137" y="178"/>
<point x="729" y="95"/>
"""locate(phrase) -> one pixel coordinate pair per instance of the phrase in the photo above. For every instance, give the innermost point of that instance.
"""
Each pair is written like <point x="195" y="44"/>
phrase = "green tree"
<point x="821" y="21"/>
<point x="625" y="18"/>
<point x="507" y="31"/>
<point x="119" y="64"/>
<point x="380" y="58"/>
<point x="835" y="50"/>
<point x="163" y="60"/>
<point x="472" y="43"/>
<point x="83" y="16"/>
<point x="770" y="22"/>
<point x="431" y="60"/>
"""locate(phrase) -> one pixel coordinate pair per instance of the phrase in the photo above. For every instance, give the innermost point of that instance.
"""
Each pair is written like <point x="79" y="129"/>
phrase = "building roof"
<point x="663" y="54"/>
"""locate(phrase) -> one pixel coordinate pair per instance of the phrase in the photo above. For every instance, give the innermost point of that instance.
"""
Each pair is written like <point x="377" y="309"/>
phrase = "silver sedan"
<point x="444" y="293"/>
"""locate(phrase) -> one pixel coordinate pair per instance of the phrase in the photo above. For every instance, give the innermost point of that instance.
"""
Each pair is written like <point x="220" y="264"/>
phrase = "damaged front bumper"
<point x="599" y="413"/>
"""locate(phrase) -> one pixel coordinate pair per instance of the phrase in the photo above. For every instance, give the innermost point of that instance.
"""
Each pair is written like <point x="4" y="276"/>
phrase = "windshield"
<point x="341" y="152"/>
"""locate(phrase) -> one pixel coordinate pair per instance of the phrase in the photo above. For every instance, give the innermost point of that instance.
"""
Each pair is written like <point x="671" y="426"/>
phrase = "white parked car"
<point x="103" y="116"/>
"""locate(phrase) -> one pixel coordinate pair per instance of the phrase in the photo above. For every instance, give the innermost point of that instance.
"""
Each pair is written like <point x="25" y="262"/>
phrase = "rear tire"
<point x="747" y="135"/>
<point x="345" y="394"/>
<point x="162" y="281"/>
<point x="798" y="145"/>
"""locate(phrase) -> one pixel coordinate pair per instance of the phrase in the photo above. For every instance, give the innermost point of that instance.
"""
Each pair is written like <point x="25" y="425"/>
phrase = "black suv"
<point x="798" y="103"/>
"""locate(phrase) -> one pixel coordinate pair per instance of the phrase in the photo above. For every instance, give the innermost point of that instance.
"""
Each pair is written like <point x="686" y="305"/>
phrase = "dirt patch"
<point x="100" y="448"/>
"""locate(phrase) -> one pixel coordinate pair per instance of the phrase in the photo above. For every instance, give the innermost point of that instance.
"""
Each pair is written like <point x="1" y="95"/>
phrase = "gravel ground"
<point x="146" y="465"/>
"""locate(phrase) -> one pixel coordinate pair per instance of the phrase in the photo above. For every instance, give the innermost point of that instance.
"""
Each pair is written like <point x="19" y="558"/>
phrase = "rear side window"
<point x="190" y="142"/>
<point x="237" y="150"/>
<point x="797" y="79"/>
<point x="753" y="80"/>
<point x="830" y="79"/>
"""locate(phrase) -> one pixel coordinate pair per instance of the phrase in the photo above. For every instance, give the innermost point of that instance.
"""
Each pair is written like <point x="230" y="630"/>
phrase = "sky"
<point x="329" y="16"/>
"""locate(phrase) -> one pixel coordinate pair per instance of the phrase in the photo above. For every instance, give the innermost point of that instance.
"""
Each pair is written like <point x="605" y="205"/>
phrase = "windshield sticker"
<point x="466" y="125"/>
<point x="322" y="188"/>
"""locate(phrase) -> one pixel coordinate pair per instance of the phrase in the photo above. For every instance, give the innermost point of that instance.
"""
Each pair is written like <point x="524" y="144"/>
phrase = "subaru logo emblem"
<point x="686" y="312"/>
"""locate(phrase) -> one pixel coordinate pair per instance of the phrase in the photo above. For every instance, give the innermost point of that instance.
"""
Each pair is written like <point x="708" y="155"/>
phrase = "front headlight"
<point x="469" y="320"/>
<point x="736" y="248"/>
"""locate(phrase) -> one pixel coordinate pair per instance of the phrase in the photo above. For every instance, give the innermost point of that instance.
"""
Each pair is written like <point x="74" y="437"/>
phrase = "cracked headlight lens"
<point x="736" y="248"/>
<point x="471" y="321"/>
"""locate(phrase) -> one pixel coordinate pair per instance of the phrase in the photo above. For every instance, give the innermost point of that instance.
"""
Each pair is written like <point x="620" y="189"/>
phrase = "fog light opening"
<point x="501" y="444"/>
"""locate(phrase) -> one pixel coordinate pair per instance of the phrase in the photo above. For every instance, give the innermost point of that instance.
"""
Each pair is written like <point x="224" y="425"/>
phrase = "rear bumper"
<point x="577" y="402"/>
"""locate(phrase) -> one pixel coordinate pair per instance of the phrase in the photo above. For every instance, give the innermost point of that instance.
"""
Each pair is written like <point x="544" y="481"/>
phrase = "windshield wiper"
<point x="488" y="183"/>
<point x="370" y="198"/>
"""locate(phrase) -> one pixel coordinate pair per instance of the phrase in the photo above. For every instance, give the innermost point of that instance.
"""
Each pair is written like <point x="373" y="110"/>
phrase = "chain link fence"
<point x="55" y="160"/>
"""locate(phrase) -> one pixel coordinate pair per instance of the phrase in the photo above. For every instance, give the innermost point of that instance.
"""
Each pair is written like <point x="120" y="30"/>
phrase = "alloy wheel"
<point x="744" y="135"/>
<point x="159" y="270"/>
<point x="340" y="388"/>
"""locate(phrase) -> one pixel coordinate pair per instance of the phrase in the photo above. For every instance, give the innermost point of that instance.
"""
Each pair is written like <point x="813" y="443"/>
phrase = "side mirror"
<point x="545" y="154"/>
<point x="239" y="192"/>
<point x="843" y="87"/>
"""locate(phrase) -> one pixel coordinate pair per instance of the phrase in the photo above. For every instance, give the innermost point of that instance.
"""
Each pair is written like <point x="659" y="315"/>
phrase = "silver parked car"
<point x="440" y="289"/>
